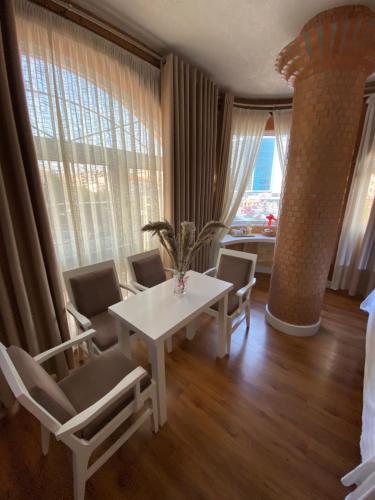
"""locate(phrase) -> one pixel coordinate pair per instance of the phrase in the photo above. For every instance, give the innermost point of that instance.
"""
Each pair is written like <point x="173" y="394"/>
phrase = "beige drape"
<point x="189" y="116"/>
<point x="355" y="260"/>
<point x="282" y="119"/>
<point x="32" y="311"/>
<point x="248" y="127"/>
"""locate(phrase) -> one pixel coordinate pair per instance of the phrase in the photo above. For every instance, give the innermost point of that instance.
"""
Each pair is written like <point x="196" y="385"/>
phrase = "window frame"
<point x="254" y="222"/>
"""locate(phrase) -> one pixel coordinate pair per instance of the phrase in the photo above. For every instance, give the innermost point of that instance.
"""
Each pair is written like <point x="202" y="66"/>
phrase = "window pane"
<point x="263" y="194"/>
<point x="263" y="165"/>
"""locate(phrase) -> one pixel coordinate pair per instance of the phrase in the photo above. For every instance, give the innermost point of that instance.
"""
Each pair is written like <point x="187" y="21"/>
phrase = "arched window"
<point x="95" y="117"/>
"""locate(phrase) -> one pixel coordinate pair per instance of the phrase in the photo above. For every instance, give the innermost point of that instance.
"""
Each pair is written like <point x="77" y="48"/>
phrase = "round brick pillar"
<point x="327" y="64"/>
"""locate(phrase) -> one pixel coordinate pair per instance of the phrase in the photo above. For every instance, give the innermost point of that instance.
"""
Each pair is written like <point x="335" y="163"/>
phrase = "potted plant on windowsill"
<point x="182" y="247"/>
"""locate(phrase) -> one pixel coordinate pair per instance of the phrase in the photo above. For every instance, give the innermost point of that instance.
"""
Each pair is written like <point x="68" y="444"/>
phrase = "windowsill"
<point x="254" y="223"/>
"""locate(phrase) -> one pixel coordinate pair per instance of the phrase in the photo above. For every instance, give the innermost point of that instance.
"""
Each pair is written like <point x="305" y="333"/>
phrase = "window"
<point x="262" y="195"/>
<point x="96" y="123"/>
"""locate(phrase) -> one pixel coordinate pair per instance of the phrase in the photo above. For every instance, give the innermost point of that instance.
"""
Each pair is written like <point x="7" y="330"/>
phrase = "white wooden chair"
<point x="146" y="270"/>
<point x="91" y="290"/>
<point x="237" y="268"/>
<point x="363" y="477"/>
<point x="87" y="406"/>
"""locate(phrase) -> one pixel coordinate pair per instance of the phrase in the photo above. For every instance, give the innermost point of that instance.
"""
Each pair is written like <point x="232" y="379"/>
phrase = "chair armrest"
<point x="210" y="272"/>
<point x="243" y="291"/>
<point x="44" y="356"/>
<point x="128" y="288"/>
<point x="84" y="322"/>
<point x="86" y="416"/>
<point x="139" y="287"/>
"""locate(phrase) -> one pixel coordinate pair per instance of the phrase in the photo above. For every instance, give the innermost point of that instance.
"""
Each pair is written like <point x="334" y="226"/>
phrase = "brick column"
<point x="327" y="64"/>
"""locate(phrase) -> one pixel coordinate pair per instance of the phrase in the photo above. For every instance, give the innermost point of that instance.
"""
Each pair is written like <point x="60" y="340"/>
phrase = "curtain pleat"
<point x="32" y="311"/>
<point x="190" y="142"/>
<point x="225" y="114"/>
<point x="282" y="119"/>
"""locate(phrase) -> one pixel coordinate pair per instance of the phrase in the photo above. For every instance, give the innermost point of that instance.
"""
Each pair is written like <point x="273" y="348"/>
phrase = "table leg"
<point x="222" y="333"/>
<point x="158" y="374"/>
<point x="190" y="330"/>
<point x="123" y="334"/>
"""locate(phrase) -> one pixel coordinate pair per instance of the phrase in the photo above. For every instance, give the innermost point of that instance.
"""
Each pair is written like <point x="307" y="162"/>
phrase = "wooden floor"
<point x="279" y="419"/>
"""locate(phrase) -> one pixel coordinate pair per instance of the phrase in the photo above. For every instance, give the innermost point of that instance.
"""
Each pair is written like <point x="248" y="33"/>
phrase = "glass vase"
<point x="180" y="280"/>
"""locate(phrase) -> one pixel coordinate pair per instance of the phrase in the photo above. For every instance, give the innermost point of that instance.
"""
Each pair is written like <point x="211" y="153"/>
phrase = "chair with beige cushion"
<point x="146" y="269"/>
<point x="87" y="406"/>
<point x="237" y="268"/>
<point x="91" y="290"/>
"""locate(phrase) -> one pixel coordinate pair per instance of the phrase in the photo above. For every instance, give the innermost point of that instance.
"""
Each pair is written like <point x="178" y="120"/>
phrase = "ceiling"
<point x="235" y="42"/>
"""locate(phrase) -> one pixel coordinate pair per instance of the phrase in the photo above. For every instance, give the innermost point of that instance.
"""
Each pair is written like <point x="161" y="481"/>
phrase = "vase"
<point x="180" y="280"/>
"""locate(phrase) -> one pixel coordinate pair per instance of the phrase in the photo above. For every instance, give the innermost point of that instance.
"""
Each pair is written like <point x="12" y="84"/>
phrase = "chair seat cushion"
<point x="41" y="386"/>
<point x="233" y="303"/>
<point x="149" y="271"/>
<point x="106" y="330"/>
<point x="90" y="382"/>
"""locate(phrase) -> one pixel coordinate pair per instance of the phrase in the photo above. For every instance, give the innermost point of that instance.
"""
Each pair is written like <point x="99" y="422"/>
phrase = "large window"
<point x="96" y="121"/>
<point x="262" y="195"/>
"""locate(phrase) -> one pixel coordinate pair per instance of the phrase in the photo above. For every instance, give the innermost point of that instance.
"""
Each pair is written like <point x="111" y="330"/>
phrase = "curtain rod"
<point x="76" y="14"/>
<point x="265" y="107"/>
<point x="247" y="104"/>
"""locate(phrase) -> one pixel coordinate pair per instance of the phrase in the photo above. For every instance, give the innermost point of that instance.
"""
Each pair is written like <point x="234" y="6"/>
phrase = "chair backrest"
<point x="236" y="267"/>
<point x="92" y="289"/>
<point x="34" y="388"/>
<point x="147" y="268"/>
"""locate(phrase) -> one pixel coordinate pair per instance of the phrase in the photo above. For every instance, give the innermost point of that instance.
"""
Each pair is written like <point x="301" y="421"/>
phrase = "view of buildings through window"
<point x="100" y="165"/>
<point x="262" y="195"/>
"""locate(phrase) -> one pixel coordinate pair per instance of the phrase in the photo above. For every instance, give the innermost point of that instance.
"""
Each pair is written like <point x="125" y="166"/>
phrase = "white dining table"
<point x="157" y="313"/>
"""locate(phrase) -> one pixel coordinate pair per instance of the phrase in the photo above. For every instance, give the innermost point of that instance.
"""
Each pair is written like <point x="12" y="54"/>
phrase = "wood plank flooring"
<point x="279" y="419"/>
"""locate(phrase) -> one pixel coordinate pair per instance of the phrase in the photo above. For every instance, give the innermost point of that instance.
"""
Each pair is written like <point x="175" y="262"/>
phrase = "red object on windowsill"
<point x="268" y="229"/>
<point x="270" y="218"/>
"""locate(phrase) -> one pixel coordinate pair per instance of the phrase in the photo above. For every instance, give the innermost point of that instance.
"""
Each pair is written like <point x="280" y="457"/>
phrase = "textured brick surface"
<point x="326" y="113"/>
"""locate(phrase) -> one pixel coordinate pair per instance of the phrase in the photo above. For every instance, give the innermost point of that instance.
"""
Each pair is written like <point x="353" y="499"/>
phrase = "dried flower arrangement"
<point x="182" y="247"/>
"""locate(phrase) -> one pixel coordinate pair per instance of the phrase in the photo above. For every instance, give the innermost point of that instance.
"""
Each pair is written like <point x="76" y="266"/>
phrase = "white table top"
<point x="256" y="238"/>
<point x="157" y="312"/>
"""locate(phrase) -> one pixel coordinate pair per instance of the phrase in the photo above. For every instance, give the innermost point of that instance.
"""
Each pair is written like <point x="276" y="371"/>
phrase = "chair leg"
<point x="191" y="330"/>
<point x="155" y="412"/>
<point x="229" y="334"/>
<point x="80" y="463"/>
<point x="169" y="345"/>
<point x="45" y="435"/>
<point x="247" y="312"/>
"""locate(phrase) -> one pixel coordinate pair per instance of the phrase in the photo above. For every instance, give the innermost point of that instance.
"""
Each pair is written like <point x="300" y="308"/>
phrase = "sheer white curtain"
<point x="247" y="131"/>
<point x="96" y="120"/>
<point x="282" y="120"/>
<point x="355" y="262"/>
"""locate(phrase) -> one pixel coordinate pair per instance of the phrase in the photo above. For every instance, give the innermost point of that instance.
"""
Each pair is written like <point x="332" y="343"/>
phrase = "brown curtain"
<point x="224" y="137"/>
<point x="189" y="115"/>
<point x="32" y="313"/>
